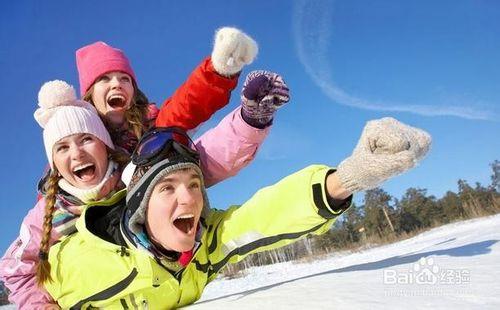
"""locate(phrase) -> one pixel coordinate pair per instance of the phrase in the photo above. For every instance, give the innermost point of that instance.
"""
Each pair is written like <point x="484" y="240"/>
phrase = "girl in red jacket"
<point x="108" y="81"/>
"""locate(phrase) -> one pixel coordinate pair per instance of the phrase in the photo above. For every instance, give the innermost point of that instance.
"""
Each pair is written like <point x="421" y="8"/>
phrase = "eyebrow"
<point x="57" y="144"/>
<point x="195" y="176"/>
<point x="168" y="179"/>
<point x="79" y="136"/>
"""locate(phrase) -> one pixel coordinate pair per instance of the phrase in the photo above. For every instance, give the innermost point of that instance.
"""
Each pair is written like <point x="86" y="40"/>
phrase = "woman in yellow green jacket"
<point x="160" y="244"/>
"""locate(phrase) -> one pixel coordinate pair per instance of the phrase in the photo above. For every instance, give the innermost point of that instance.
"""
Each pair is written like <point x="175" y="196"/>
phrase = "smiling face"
<point x="81" y="159"/>
<point x="112" y="95"/>
<point x="174" y="210"/>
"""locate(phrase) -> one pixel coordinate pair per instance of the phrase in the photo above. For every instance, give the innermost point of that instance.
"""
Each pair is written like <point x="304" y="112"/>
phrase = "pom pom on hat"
<point x="55" y="93"/>
<point x="60" y="115"/>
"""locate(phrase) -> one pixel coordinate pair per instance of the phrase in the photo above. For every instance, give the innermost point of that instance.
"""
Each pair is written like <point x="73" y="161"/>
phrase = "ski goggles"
<point x="163" y="142"/>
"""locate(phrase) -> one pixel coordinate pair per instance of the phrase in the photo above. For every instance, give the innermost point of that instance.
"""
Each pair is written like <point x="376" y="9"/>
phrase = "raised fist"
<point x="263" y="93"/>
<point x="232" y="50"/>
<point x="386" y="148"/>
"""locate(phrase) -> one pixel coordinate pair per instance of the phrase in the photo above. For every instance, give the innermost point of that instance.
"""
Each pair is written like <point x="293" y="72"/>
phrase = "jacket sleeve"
<point x="204" y="93"/>
<point x="228" y="147"/>
<point x="275" y="216"/>
<point x="18" y="265"/>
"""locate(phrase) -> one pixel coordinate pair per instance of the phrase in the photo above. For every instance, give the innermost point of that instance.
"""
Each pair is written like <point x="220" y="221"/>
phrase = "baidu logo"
<point x="427" y="272"/>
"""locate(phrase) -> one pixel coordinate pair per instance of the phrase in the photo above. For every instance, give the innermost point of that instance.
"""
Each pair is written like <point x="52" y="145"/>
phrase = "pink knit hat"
<point x="96" y="59"/>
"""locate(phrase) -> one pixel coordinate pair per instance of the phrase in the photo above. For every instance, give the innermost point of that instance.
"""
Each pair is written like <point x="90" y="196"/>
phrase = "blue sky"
<point x="432" y="64"/>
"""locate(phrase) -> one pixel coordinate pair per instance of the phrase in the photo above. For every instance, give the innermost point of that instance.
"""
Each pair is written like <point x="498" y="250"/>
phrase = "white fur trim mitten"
<point x="233" y="49"/>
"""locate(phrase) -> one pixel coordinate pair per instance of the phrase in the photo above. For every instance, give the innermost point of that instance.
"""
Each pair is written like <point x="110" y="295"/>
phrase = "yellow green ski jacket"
<point x="90" y="271"/>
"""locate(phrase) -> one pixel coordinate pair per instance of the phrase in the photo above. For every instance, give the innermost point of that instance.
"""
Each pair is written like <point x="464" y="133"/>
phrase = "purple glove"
<point x="263" y="93"/>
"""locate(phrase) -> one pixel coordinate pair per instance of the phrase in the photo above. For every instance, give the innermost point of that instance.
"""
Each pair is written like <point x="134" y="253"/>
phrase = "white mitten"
<point x="386" y="148"/>
<point x="232" y="50"/>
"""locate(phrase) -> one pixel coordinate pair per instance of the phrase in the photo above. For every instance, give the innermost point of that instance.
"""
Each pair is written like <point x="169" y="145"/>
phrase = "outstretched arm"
<point x="233" y="144"/>
<point x="308" y="201"/>
<point x="209" y="86"/>
<point x="228" y="147"/>
<point x="275" y="216"/>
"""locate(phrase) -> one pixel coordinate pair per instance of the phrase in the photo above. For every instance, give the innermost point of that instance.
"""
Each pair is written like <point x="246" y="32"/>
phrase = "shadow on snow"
<point x="473" y="249"/>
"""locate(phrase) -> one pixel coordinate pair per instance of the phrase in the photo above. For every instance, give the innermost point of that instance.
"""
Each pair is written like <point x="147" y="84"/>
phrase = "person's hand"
<point x="386" y="148"/>
<point x="263" y="93"/>
<point x="232" y="50"/>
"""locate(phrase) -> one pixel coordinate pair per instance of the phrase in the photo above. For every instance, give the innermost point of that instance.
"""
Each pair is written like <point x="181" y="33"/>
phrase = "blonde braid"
<point x="43" y="266"/>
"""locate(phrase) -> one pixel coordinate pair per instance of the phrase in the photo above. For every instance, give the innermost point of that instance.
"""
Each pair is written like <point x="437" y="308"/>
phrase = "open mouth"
<point x="85" y="172"/>
<point x="117" y="101"/>
<point x="185" y="223"/>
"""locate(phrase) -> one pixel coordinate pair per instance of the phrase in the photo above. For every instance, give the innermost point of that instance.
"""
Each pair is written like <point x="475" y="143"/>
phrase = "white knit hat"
<point x="60" y="115"/>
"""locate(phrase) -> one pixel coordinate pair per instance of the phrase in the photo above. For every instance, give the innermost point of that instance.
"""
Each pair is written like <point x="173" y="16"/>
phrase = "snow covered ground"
<point x="456" y="266"/>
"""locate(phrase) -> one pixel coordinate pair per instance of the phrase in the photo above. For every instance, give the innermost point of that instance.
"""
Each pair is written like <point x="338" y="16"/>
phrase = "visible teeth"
<point x="185" y="216"/>
<point x="117" y="96"/>
<point x="81" y="167"/>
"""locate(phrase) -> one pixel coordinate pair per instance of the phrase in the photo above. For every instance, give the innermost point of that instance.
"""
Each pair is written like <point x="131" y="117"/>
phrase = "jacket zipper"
<point x="110" y="291"/>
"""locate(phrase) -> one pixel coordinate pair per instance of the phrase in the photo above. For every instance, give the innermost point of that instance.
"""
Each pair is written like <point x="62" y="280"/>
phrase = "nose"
<point x="185" y="196"/>
<point x="75" y="151"/>
<point x="115" y="82"/>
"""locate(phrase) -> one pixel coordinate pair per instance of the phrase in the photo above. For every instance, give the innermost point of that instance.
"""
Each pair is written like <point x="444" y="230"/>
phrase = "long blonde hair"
<point x="135" y="116"/>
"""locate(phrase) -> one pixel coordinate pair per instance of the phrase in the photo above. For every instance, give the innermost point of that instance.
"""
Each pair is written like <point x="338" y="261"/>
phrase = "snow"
<point x="452" y="266"/>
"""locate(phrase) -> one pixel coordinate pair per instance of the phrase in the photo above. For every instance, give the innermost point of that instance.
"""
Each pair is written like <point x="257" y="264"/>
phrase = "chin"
<point x="184" y="246"/>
